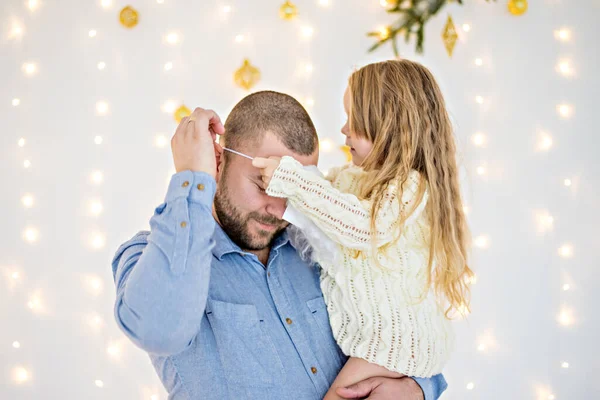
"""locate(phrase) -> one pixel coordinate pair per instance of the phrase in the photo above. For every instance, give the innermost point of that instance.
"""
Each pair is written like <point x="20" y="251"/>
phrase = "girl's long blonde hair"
<point x="398" y="106"/>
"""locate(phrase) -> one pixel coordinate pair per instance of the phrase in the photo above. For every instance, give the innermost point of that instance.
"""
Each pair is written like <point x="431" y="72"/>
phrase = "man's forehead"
<point x="272" y="146"/>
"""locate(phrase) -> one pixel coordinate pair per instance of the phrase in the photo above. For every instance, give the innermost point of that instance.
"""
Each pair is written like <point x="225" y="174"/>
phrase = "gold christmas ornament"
<point x="346" y="151"/>
<point x="449" y="35"/>
<point x="181" y="113"/>
<point x="288" y="11"/>
<point x="517" y="7"/>
<point x="129" y="17"/>
<point x="247" y="75"/>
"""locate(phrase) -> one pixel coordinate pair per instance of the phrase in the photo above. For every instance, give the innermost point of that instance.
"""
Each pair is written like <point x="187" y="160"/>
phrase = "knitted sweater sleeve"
<point x="343" y="216"/>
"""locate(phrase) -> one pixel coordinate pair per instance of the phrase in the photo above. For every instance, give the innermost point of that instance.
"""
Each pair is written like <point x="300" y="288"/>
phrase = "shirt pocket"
<point x="246" y="350"/>
<point x="318" y="309"/>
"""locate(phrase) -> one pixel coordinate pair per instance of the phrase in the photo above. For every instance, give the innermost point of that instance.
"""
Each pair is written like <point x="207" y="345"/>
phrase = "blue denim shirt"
<point x="215" y="321"/>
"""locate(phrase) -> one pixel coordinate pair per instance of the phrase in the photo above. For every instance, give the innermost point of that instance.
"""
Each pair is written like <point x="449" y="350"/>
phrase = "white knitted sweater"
<point x="374" y="310"/>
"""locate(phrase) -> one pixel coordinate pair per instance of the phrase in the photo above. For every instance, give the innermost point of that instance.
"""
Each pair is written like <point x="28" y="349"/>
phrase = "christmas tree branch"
<point x="412" y="17"/>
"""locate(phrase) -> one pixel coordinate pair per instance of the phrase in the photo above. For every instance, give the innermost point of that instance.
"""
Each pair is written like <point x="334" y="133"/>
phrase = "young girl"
<point x="396" y="218"/>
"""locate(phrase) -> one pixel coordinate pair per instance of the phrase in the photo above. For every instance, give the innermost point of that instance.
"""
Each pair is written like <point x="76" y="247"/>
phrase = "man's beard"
<point x="235" y="224"/>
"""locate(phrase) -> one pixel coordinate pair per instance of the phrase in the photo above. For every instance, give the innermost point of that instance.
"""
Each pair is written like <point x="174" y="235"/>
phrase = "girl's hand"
<point x="267" y="167"/>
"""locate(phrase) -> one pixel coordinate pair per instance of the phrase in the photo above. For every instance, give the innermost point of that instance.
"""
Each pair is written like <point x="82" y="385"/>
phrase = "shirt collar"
<point x="224" y="244"/>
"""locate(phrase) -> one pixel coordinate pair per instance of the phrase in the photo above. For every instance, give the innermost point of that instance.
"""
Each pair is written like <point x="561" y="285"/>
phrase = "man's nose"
<point x="276" y="207"/>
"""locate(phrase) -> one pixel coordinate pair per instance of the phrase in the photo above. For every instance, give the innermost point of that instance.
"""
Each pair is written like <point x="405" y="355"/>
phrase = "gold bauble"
<point x="247" y="75"/>
<point x="517" y="7"/>
<point x="181" y="113"/>
<point x="449" y="35"/>
<point x="288" y="11"/>
<point x="346" y="150"/>
<point x="129" y="17"/>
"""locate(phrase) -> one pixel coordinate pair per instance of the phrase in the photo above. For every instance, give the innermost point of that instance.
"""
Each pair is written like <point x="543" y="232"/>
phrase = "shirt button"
<point x="200" y="186"/>
<point x="185" y="184"/>
<point x="269" y="274"/>
<point x="289" y="321"/>
<point x="183" y="224"/>
<point x="313" y="370"/>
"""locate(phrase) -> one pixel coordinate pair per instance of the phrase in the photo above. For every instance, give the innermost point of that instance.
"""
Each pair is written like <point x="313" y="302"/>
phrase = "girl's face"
<point x="359" y="147"/>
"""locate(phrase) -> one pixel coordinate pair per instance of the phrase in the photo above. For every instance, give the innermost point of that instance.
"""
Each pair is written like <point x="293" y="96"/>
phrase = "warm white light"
<point x="96" y="207"/>
<point x="565" y="68"/>
<point x="479" y="139"/>
<point x="479" y="99"/>
<point x="471" y="280"/>
<point x="30" y="235"/>
<point x="169" y="106"/>
<point x="239" y="38"/>
<point x="483" y="242"/>
<point x="154" y="397"/>
<point x="94" y="285"/>
<point x="307" y="31"/>
<point x="172" y="38"/>
<point x="160" y="141"/>
<point x="481" y="170"/>
<point x="101" y="108"/>
<point x="463" y="310"/>
<point x="16" y="30"/>
<point x="16" y="345"/>
<point x="466" y="27"/>
<point x="227" y="9"/>
<point x="308" y="68"/>
<point x="544" y="142"/>
<point x="565" y="317"/>
<point x="310" y="101"/>
<point x="16" y="102"/>
<point x="160" y="1"/>
<point x="481" y="347"/>
<point x="21" y="142"/>
<point x="94" y="321"/>
<point x="26" y="163"/>
<point x="92" y="33"/>
<point x="383" y="3"/>
<point x="98" y="139"/>
<point x="97" y="240"/>
<point x="114" y="350"/>
<point x="478" y="62"/>
<point x="33" y="4"/>
<point x="563" y="34"/>
<point x="567" y="182"/>
<point x="101" y="65"/>
<point x="566" y="287"/>
<point x="20" y="375"/>
<point x="99" y="383"/>
<point x="35" y="303"/>
<point x="106" y="3"/>
<point x="324" y="3"/>
<point x="29" y="68"/>
<point x="326" y="145"/>
<point x="27" y="201"/>
<point x="384" y="32"/>
<point x="565" y="110"/>
<point x="97" y="177"/>
<point x="487" y="341"/>
<point x="470" y="386"/>
<point x="565" y="365"/>
<point x="466" y="209"/>
<point x="566" y="251"/>
<point x="15" y="276"/>
<point x="168" y="66"/>
<point x="544" y="221"/>
<point x="551" y="397"/>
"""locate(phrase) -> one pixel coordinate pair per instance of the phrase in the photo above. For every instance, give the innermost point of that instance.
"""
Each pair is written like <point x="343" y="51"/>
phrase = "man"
<point x="215" y="293"/>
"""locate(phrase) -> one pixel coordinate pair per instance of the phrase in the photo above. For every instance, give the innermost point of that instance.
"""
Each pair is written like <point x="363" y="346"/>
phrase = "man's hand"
<point x="193" y="145"/>
<point x="379" y="388"/>
<point x="267" y="167"/>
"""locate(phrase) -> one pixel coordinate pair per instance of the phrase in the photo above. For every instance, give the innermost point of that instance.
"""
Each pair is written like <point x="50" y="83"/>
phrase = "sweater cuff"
<point x="283" y="182"/>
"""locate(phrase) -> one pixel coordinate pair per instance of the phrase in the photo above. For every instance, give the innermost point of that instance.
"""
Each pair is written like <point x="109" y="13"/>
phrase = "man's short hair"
<point x="274" y="112"/>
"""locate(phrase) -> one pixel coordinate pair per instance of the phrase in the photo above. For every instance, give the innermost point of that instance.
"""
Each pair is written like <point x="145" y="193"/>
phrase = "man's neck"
<point x="262" y="255"/>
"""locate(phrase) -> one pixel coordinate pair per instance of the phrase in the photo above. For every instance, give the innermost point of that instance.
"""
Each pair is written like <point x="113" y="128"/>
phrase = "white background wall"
<point x="56" y="294"/>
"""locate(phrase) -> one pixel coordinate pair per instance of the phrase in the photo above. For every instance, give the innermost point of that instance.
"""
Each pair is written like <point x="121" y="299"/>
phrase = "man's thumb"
<point x="356" y="391"/>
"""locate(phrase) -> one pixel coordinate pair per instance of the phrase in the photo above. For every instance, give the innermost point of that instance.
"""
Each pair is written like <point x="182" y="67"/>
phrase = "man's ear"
<point x="220" y="166"/>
